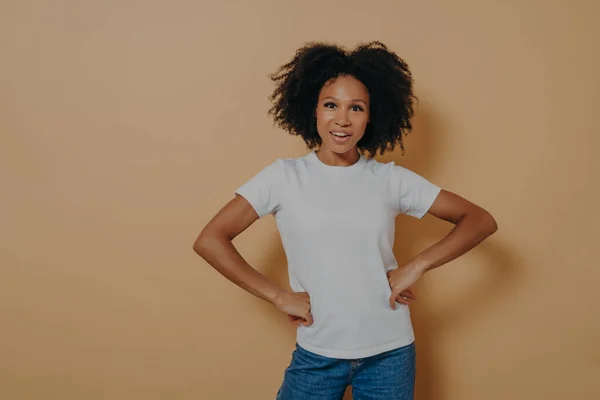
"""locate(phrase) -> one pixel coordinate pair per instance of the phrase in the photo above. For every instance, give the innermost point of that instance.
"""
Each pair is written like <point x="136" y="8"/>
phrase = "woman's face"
<point x="343" y="109"/>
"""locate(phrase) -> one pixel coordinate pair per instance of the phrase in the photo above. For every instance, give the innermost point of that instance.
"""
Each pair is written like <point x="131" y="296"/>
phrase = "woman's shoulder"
<point x="392" y="171"/>
<point x="380" y="168"/>
<point x="286" y="165"/>
<point x="293" y="162"/>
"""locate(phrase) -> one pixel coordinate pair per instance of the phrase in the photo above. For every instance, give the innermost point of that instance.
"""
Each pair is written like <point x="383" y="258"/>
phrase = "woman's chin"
<point x="340" y="147"/>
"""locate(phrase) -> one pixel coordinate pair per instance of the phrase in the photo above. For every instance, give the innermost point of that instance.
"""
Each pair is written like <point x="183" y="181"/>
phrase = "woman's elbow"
<point x="489" y="223"/>
<point x="198" y="246"/>
<point x="202" y="243"/>
<point x="211" y="239"/>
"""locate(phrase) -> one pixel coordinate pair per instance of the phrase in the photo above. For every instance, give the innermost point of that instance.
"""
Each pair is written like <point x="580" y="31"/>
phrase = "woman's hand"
<point x="401" y="279"/>
<point x="297" y="306"/>
<point x="406" y="297"/>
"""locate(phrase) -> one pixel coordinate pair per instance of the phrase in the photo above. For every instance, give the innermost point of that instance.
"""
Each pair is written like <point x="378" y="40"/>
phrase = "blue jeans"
<point x="386" y="376"/>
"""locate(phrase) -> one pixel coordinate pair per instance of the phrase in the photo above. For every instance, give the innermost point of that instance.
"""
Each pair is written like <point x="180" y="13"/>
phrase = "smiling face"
<point x="342" y="114"/>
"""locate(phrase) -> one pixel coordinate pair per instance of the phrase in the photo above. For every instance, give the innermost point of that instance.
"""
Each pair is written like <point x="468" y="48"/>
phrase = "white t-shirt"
<point x="337" y="228"/>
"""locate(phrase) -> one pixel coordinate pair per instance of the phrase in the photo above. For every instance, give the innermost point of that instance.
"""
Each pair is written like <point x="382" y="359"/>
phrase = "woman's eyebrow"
<point x="329" y="97"/>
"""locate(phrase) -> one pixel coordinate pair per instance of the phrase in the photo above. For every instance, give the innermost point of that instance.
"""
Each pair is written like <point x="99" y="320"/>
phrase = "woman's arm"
<point x="214" y="245"/>
<point x="473" y="224"/>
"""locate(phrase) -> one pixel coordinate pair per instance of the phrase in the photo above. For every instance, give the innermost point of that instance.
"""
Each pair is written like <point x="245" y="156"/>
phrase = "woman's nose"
<point x="342" y="119"/>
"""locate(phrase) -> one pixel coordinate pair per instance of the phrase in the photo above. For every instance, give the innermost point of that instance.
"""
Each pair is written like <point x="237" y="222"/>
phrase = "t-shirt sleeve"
<point x="263" y="190"/>
<point x="413" y="194"/>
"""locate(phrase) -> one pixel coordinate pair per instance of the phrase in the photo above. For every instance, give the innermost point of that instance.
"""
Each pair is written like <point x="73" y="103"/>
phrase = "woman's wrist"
<point x="276" y="297"/>
<point x="420" y="264"/>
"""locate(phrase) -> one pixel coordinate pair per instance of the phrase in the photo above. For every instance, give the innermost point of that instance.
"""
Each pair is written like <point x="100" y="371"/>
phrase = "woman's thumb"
<point x="309" y="320"/>
<point x="393" y="301"/>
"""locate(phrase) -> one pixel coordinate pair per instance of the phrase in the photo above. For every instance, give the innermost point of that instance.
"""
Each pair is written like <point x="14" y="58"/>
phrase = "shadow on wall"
<point x="429" y="322"/>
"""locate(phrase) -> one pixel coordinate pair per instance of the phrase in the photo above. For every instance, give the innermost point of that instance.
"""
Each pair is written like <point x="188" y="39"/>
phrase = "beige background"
<point x="125" y="125"/>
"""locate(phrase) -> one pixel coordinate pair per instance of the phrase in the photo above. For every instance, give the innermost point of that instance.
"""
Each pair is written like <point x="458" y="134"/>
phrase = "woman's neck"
<point x="338" y="159"/>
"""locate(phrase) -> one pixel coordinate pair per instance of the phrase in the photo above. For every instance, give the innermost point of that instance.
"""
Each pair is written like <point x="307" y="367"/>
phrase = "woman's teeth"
<point x="340" y="138"/>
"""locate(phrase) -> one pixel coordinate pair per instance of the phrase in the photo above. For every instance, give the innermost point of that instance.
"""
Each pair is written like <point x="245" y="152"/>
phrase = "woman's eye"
<point x="354" y="108"/>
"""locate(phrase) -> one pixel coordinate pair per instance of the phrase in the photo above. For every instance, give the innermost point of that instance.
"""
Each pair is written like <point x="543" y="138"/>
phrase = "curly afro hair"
<point x="385" y="75"/>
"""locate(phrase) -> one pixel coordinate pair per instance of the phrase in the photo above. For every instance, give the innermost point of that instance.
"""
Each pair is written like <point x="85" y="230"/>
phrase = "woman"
<point x="335" y="210"/>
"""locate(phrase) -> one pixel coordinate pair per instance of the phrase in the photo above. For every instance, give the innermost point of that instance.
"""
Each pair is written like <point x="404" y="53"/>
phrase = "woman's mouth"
<point x="340" y="137"/>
